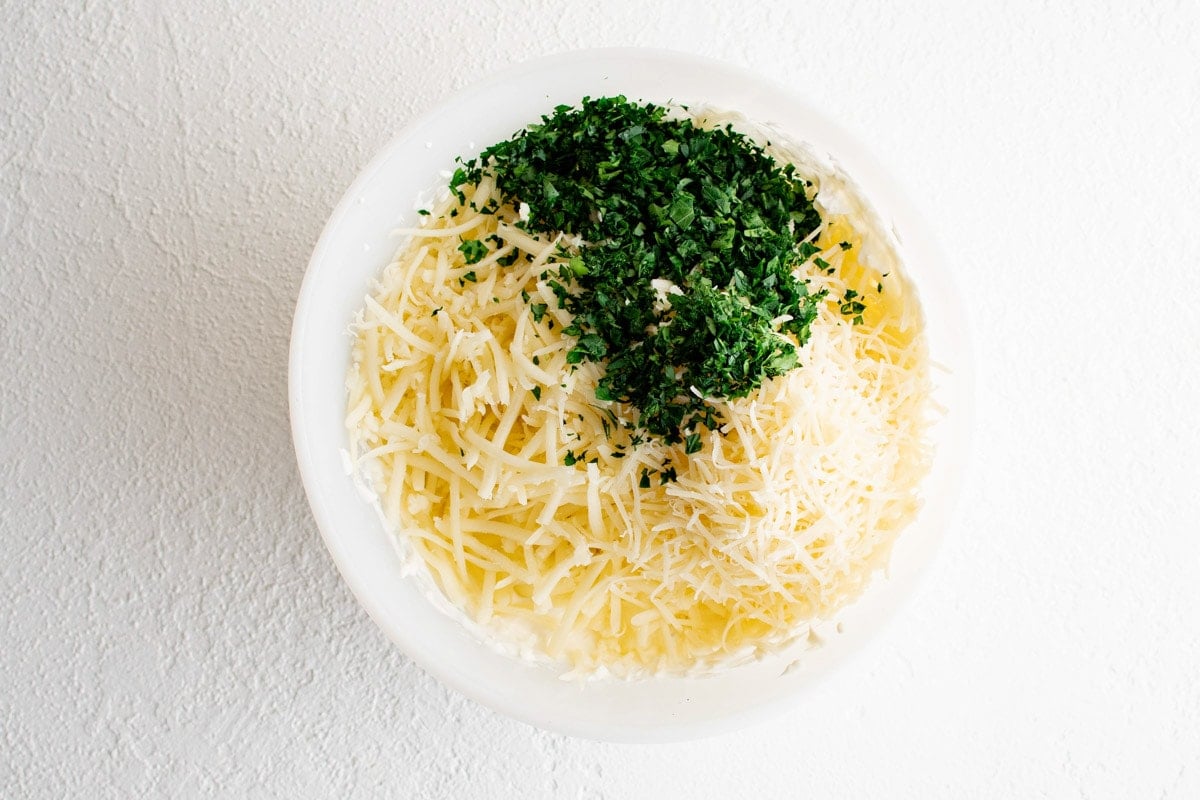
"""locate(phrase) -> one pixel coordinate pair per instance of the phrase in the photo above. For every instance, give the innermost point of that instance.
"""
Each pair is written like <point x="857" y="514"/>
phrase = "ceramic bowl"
<point x="357" y="243"/>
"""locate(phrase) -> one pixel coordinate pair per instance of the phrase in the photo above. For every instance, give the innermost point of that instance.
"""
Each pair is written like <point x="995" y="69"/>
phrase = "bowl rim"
<point x="324" y="511"/>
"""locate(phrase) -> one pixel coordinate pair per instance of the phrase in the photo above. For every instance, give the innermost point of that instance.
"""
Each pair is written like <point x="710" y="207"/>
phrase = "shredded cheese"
<point x="462" y="411"/>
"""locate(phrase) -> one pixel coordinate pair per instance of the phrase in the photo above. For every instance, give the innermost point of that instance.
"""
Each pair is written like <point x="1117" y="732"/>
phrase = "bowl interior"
<point x="357" y="243"/>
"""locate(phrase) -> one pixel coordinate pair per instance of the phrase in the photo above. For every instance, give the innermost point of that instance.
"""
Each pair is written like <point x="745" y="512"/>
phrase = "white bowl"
<point x="356" y="245"/>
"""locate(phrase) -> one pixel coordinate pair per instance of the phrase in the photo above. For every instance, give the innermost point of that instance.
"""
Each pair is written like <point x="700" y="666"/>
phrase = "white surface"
<point x="359" y="242"/>
<point x="172" y="625"/>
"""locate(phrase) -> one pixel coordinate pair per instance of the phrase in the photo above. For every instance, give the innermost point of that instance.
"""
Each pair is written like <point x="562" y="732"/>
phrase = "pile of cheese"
<point x="495" y="465"/>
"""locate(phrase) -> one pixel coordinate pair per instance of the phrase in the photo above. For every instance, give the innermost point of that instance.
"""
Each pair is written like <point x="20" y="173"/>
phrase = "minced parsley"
<point x="657" y="198"/>
<point x="473" y="250"/>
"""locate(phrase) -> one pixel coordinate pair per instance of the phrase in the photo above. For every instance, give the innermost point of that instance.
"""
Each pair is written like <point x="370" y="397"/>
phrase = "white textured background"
<point x="170" y="625"/>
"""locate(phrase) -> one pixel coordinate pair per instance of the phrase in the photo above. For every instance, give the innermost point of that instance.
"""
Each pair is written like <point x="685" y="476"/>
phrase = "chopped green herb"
<point x="470" y="276"/>
<point x="458" y="179"/>
<point x="435" y="311"/>
<point x="658" y="198"/>
<point x="537" y="392"/>
<point x="569" y="459"/>
<point x="473" y="250"/>
<point x="644" y="483"/>
<point x="852" y="307"/>
<point x="845" y="245"/>
<point x="424" y="212"/>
